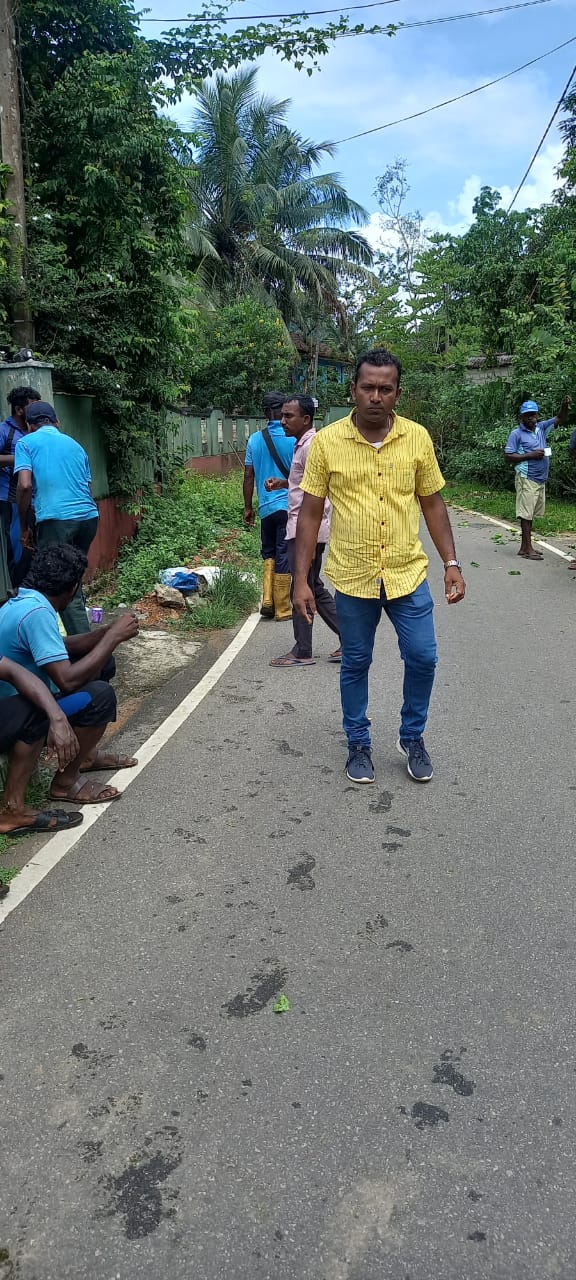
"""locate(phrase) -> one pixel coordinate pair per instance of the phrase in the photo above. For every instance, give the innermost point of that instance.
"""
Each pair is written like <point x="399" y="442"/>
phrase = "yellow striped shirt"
<point x="375" y="510"/>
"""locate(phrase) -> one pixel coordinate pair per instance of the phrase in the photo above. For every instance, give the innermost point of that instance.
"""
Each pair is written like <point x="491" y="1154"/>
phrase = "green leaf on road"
<point x="514" y="573"/>
<point x="282" y="1005"/>
<point x="474" y="564"/>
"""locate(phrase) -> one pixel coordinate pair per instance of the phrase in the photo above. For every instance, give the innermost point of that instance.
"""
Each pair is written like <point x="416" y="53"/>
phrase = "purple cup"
<point x="96" y="614"/>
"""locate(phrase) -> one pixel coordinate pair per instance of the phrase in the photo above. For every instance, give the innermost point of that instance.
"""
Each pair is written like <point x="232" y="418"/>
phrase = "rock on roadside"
<point x="169" y="597"/>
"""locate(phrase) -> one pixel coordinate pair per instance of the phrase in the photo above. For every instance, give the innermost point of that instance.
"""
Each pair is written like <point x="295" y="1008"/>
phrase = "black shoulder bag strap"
<point x="272" y="450"/>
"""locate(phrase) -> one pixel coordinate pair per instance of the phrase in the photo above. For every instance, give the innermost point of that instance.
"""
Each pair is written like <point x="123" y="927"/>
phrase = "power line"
<point x="258" y="17"/>
<point x="454" y="17"/>
<point x="543" y="138"/>
<point x="448" y="101"/>
<point x="374" y="4"/>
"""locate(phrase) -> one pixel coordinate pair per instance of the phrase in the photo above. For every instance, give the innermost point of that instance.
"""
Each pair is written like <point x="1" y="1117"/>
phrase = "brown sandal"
<point x="107" y="760"/>
<point x="97" y="796"/>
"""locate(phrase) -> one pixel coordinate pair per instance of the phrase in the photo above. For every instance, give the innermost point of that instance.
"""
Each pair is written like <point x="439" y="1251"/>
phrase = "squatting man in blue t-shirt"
<point x="76" y="672"/>
<point x="53" y="470"/>
<point x="529" y="452"/>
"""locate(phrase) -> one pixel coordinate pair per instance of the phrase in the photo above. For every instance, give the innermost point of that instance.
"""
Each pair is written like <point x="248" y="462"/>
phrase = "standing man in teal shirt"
<point x="54" y="470"/>
<point x="269" y="453"/>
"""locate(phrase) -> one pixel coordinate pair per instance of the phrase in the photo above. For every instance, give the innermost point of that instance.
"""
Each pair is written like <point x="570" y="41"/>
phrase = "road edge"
<point x="60" y="844"/>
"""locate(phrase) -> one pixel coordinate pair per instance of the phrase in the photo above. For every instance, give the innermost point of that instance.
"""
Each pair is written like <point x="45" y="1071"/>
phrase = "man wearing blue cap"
<point x="54" y="470"/>
<point x="529" y="452"/>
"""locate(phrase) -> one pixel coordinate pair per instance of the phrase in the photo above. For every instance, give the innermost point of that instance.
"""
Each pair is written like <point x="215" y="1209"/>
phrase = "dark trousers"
<point x="325" y="603"/>
<point x="18" y="559"/>
<point x="75" y="533"/>
<point x="273" y="539"/>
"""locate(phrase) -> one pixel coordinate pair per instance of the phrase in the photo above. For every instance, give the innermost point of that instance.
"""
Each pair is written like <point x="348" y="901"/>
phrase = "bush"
<point x="193" y="517"/>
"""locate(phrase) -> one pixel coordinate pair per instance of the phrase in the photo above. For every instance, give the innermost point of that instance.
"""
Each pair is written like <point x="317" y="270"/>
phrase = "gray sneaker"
<point x="359" y="767"/>
<point x="418" y="763"/>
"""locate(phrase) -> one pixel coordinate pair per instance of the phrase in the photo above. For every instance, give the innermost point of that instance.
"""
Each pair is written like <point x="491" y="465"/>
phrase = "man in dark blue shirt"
<point x="11" y="431"/>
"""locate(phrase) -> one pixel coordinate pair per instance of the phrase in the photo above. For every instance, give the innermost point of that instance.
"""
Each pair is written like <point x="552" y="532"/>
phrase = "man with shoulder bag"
<point x="269" y="453"/>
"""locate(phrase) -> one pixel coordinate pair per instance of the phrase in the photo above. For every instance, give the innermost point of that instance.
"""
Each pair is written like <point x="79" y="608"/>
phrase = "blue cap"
<point x="529" y="406"/>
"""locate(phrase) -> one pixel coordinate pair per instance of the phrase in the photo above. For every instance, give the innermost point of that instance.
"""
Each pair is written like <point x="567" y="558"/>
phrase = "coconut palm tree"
<point x="266" y="222"/>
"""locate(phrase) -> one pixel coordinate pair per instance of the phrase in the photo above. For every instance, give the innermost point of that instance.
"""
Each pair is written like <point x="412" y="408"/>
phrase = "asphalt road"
<point x="412" y="1116"/>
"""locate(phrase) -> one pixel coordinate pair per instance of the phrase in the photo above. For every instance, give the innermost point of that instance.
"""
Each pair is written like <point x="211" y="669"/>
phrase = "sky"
<point x="365" y="81"/>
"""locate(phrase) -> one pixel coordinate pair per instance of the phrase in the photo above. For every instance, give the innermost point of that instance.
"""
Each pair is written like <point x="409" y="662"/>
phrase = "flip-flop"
<point x="74" y="794"/>
<point x="290" y="660"/>
<point x="42" y="822"/>
<point x="107" y="760"/>
<point x="336" y="656"/>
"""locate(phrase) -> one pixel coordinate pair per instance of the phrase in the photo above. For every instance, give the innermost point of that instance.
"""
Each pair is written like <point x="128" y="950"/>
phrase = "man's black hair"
<point x="380" y="358"/>
<point x="306" y="403"/>
<point x="57" y="569"/>
<point x="19" y="397"/>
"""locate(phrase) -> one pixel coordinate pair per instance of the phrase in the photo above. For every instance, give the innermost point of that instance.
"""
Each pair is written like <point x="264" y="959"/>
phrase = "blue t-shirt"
<point x="258" y="456"/>
<point x="6" y="472"/>
<point x="29" y="635"/>
<point x="60" y="475"/>
<point x="522" y="441"/>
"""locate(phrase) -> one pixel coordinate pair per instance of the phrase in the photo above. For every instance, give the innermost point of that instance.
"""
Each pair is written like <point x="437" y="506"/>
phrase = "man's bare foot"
<point x="531" y="554"/>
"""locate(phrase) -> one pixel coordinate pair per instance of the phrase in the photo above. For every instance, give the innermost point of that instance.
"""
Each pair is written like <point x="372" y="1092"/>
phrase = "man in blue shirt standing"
<point x="269" y="453"/>
<point x="529" y="452"/>
<point x="11" y="431"/>
<point x="55" y="470"/>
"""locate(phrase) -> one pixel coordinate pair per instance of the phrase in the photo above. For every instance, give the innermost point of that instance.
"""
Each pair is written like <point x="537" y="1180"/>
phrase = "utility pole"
<point x="11" y="150"/>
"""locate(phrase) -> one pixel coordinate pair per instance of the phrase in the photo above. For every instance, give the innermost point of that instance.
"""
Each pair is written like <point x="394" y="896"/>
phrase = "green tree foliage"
<point x="273" y="222"/>
<point x="506" y="286"/>
<point x="109" y="204"/>
<point x="237" y="353"/>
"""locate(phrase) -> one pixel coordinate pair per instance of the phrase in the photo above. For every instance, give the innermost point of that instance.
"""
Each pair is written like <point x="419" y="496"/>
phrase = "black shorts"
<point x="21" y="721"/>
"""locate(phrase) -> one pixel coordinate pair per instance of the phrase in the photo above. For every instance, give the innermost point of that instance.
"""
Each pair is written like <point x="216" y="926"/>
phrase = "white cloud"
<point x="537" y="190"/>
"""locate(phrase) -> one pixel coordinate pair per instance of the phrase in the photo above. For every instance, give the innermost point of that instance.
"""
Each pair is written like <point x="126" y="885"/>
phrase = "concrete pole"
<point x="11" y="149"/>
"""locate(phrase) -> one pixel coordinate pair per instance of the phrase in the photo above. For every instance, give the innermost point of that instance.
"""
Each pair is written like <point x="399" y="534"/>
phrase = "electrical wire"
<point x="452" y="17"/>
<point x="543" y="138"/>
<point x="448" y="101"/>
<point x="374" y="4"/>
<point x="263" y="17"/>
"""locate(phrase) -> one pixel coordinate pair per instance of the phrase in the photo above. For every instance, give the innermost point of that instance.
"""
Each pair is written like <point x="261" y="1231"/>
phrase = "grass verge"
<point x="198" y="521"/>
<point x="560" y="516"/>
<point x="234" y="594"/>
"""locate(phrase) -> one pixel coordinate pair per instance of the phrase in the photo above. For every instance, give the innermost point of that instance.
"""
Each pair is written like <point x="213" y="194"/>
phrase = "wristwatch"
<point x="453" y="564"/>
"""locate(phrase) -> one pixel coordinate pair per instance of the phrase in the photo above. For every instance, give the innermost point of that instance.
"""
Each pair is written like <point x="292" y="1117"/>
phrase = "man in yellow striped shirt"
<point x="379" y="471"/>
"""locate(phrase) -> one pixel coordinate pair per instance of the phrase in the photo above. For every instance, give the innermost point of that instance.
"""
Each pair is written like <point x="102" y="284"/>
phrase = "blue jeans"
<point x="411" y="617"/>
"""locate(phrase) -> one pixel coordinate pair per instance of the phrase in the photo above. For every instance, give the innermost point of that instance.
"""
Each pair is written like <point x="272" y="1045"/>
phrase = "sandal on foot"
<point x="96" y="793"/>
<point x="48" y="821"/>
<point x="336" y="656"/>
<point x="290" y="660"/>
<point x="108" y="760"/>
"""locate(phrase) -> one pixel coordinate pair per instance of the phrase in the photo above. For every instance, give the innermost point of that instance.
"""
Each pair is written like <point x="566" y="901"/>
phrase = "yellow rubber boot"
<point x="267" y="606"/>
<point x="282" y="602"/>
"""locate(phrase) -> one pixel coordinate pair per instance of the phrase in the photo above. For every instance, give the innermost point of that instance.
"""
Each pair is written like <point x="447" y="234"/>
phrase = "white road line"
<point x="60" y="844"/>
<point x="512" y="528"/>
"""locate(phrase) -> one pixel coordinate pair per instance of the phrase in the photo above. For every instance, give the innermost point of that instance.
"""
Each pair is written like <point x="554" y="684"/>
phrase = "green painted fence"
<point x="76" y="420"/>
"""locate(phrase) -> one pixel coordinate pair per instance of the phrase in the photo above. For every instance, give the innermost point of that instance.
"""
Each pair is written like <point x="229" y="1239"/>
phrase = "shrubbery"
<point x="193" y="517"/>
